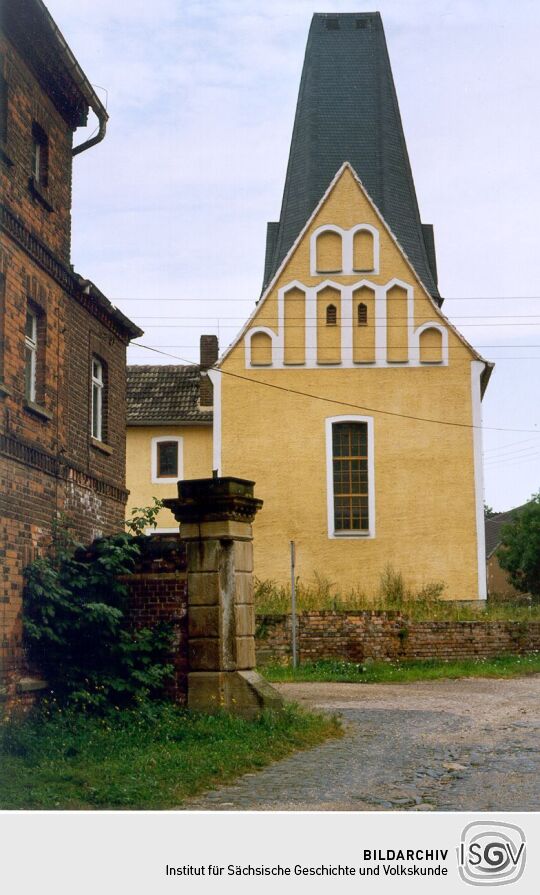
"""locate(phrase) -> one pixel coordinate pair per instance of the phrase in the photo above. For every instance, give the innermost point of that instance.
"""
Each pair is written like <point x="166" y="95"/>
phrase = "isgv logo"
<point x="491" y="853"/>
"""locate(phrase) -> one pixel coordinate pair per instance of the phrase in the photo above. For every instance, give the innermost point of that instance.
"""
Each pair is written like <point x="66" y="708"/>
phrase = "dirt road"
<point x="470" y="744"/>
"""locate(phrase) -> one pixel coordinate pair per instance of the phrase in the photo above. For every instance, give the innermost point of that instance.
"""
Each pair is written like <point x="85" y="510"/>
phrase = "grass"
<point x="394" y="594"/>
<point x="398" y="671"/>
<point x="151" y="758"/>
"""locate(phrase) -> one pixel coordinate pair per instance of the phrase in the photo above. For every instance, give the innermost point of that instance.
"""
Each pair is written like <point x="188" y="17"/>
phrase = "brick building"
<point x="62" y="343"/>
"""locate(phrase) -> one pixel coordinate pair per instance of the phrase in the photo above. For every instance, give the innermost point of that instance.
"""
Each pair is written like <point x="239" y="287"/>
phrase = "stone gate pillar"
<point x="215" y="518"/>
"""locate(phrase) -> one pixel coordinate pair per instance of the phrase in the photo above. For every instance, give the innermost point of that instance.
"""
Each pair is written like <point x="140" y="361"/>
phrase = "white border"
<point x="346" y="293"/>
<point x="216" y="377"/>
<point x="347" y="250"/>
<point x="415" y="346"/>
<point x="170" y="480"/>
<point x="477" y="368"/>
<point x="253" y="332"/>
<point x="329" y="422"/>
<point x="345" y="166"/>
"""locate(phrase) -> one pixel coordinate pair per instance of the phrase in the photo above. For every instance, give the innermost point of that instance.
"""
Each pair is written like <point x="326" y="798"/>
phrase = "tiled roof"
<point x="164" y="394"/>
<point x="348" y="111"/>
<point x="493" y="528"/>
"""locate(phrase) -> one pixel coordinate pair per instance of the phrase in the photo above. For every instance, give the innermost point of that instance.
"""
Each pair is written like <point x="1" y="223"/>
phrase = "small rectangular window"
<point x="3" y="107"/>
<point x="350" y="477"/>
<point x="167" y="459"/>
<point x="97" y="399"/>
<point x="40" y="155"/>
<point x="30" y="355"/>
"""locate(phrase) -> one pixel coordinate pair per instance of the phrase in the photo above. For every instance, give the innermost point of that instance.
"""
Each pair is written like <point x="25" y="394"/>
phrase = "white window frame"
<point x="98" y="385"/>
<point x="37" y="148"/>
<point x="370" y="533"/>
<point x="31" y="343"/>
<point x="160" y="480"/>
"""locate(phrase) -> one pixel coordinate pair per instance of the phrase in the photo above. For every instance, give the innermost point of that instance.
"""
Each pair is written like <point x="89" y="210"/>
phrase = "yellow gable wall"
<point x="197" y="463"/>
<point x="425" y="499"/>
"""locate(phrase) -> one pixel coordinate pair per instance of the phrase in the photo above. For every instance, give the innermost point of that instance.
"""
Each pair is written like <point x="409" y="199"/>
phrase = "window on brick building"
<point x="3" y="108"/>
<point x="166" y="459"/>
<point x="40" y="155"/>
<point x="98" y="394"/>
<point x="30" y="355"/>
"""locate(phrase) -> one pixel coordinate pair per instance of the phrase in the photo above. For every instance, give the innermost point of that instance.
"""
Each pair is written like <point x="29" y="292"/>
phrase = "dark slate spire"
<point x="347" y="110"/>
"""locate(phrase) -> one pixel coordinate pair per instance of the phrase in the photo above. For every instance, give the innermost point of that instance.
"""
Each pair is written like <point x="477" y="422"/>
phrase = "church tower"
<point x="348" y="396"/>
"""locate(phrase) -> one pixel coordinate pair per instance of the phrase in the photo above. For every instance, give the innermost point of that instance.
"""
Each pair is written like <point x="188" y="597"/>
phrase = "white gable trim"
<point x="347" y="249"/>
<point x="299" y="238"/>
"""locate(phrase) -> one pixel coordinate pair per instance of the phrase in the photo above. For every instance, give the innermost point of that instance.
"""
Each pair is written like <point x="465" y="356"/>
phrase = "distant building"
<point x="498" y="584"/>
<point x="169" y="429"/>
<point x="62" y="343"/>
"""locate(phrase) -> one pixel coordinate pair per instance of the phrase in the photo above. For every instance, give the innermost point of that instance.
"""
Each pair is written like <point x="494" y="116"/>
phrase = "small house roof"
<point x="165" y="395"/>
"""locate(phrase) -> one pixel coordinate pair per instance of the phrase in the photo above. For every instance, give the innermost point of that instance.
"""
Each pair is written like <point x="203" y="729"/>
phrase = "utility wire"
<point x="313" y="397"/>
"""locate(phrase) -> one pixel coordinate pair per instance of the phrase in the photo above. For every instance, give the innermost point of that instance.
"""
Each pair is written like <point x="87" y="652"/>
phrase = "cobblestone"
<point x="467" y="745"/>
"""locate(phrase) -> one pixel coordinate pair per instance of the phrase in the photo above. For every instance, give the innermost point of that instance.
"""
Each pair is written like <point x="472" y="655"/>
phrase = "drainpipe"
<point x="79" y="76"/>
<point x="103" y="117"/>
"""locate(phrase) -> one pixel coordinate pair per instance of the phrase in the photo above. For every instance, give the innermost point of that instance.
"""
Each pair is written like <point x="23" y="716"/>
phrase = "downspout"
<point x="103" y="117"/>
<point x="79" y="76"/>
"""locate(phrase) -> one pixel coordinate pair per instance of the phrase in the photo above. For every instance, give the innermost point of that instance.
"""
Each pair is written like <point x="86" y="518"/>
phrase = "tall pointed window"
<point x="350" y="477"/>
<point x="40" y="155"/>
<point x="30" y="355"/>
<point x="98" y="386"/>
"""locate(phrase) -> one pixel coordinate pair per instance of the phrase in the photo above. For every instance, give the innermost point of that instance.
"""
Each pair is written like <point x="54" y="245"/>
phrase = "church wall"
<point x="424" y="518"/>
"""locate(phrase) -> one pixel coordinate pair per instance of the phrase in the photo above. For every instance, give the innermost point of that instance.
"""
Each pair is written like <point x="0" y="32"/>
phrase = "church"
<point x="348" y="397"/>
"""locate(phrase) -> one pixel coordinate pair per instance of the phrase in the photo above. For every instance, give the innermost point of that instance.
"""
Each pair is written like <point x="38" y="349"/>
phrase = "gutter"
<point x="82" y="82"/>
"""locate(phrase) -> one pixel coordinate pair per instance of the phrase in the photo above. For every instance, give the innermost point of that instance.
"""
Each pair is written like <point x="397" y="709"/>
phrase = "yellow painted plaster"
<point x="197" y="463"/>
<point x="425" y="502"/>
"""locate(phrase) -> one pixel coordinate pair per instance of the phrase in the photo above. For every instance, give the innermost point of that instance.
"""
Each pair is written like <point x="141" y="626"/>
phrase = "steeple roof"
<point x="347" y="110"/>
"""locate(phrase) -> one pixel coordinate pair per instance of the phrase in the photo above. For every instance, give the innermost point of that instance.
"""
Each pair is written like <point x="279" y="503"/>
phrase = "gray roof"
<point x="348" y="111"/>
<point x="493" y="528"/>
<point x="164" y="395"/>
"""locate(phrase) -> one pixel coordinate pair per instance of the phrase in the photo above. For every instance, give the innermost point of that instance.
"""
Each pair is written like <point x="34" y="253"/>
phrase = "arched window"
<point x="431" y="346"/>
<point x="363" y="251"/>
<point x="362" y="314"/>
<point x="329" y="252"/>
<point x="261" y="350"/>
<point x="331" y="315"/>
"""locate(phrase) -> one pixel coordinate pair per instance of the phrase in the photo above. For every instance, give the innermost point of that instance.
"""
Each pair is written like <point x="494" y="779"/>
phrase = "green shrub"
<point x="76" y="629"/>
<point x="519" y="553"/>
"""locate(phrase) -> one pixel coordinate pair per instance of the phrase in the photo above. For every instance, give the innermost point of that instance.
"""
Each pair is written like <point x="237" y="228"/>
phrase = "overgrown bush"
<point x="76" y="629"/>
<point x="519" y="553"/>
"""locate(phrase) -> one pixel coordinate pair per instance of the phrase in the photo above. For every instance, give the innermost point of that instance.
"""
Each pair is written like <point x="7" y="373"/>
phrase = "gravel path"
<point x="465" y="745"/>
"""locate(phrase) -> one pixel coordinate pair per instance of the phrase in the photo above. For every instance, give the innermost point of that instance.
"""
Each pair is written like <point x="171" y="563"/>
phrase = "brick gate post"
<point x="215" y="518"/>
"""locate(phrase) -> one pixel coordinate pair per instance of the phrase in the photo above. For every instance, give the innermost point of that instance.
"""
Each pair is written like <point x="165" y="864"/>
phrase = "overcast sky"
<point x="170" y="210"/>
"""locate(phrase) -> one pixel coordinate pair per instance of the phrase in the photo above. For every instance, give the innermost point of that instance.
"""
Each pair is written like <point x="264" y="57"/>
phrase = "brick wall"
<point x="356" y="636"/>
<point x="158" y="593"/>
<point x="49" y="212"/>
<point x="49" y="463"/>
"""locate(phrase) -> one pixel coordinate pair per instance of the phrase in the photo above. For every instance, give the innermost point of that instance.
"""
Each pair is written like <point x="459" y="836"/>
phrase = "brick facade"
<point x="356" y="636"/>
<point x="49" y="463"/>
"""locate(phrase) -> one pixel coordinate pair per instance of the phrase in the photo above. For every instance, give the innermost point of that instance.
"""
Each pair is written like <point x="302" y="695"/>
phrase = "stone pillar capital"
<point x="217" y="507"/>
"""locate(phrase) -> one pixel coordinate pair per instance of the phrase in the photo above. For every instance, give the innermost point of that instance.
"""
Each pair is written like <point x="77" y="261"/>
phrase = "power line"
<point x="262" y="321"/>
<point x="503" y="447"/>
<point x="393" y="413"/>
<point x="450" y="347"/>
<point x="245" y="300"/>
